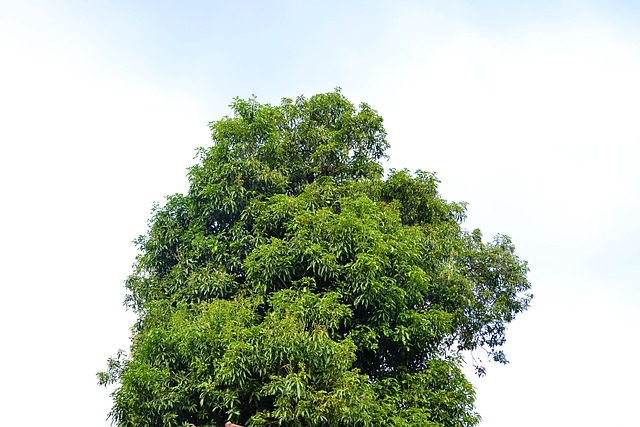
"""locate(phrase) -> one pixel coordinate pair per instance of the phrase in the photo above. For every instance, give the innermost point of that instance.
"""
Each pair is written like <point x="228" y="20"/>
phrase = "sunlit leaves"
<point x="294" y="285"/>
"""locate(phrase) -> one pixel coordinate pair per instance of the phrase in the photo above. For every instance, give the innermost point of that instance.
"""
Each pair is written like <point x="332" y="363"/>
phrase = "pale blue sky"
<point x="526" y="110"/>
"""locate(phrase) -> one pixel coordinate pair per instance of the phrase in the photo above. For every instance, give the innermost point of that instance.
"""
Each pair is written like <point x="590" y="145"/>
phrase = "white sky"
<point x="526" y="110"/>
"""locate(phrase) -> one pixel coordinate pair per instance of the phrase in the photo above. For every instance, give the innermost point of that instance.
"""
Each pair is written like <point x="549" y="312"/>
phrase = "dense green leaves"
<point x="294" y="285"/>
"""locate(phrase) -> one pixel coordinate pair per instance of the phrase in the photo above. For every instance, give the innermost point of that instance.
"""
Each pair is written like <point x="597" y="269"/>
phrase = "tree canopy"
<point x="295" y="284"/>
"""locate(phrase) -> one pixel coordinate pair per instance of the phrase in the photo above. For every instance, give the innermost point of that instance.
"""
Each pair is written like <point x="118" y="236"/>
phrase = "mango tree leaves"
<point x="294" y="285"/>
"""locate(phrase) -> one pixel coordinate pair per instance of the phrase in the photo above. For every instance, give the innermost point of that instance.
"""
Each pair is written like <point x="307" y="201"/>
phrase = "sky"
<point x="527" y="110"/>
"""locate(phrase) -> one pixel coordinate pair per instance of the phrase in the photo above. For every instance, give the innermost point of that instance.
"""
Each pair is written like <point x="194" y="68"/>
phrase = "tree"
<point x="296" y="285"/>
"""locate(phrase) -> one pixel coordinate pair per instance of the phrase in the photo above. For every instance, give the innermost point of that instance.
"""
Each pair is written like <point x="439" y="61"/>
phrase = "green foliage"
<point x="294" y="285"/>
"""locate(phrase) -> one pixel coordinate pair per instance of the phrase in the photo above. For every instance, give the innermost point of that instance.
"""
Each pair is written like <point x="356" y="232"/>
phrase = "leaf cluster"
<point x="295" y="285"/>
